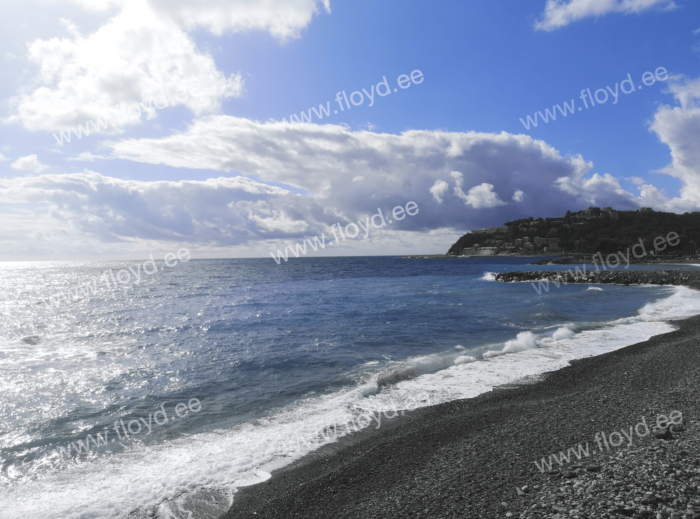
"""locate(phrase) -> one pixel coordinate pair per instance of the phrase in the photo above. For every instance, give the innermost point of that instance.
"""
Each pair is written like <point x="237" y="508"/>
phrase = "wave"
<point x="148" y="477"/>
<point x="488" y="276"/>
<point x="464" y="359"/>
<point x="417" y="366"/>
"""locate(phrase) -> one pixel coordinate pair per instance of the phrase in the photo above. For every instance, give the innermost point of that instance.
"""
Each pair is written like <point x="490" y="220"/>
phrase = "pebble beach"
<point x="475" y="458"/>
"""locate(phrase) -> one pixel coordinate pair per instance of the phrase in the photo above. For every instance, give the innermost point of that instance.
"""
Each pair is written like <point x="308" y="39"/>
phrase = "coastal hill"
<point x="591" y="230"/>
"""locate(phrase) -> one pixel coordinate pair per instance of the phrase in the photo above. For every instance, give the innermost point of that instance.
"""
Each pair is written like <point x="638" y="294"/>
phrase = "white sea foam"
<point x="565" y="332"/>
<point x="194" y="475"/>
<point x="488" y="276"/>
<point x="596" y="289"/>
<point x="524" y="341"/>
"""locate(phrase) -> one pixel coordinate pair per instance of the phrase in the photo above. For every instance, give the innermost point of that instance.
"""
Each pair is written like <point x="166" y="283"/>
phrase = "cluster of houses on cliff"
<point x="514" y="239"/>
<point x="524" y="244"/>
<point x="508" y="245"/>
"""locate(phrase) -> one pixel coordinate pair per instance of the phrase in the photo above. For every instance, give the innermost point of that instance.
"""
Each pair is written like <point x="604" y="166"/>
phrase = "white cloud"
<point x="87" y="156"/>
<point x="459" y="181"/>
<point x="140" y="55"/>
<point x="358" y="178"/>
<point x="284" y="19"/>
<point x="221" y="211"/>
<point x="676" y="126"/>
<point x="3" y="158"/>
<point x="320" y="162"/>
<point x="323" y="160"/>
<point x="679" y="128"/>
<point x="483" y="196"/>
<point x="558" y="13"/>
<point x="439" y="189"/>
<point x="29" y="163"/>
<point x="99" y="5"/>
<point x="599" y="189"/>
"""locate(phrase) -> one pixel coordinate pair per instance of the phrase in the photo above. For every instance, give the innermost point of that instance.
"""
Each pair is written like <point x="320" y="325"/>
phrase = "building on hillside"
<point x="595" y="213"/>
<point x="490" y="230"/>
<point x="611" y="213"/>
<point x="487" y="251"/>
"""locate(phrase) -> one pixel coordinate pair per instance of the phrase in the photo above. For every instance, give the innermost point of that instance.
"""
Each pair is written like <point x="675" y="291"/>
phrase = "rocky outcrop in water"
<point x="615" y="277"/>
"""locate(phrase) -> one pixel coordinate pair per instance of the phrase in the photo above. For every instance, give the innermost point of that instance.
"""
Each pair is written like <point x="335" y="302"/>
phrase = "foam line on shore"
<point x="233" y="457"/>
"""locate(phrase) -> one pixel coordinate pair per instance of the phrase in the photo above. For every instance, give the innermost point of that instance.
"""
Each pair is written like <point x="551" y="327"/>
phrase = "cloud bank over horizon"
<point x="253" y="185"/>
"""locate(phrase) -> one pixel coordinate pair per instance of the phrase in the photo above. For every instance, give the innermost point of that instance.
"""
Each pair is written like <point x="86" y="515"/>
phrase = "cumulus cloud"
<point x="323" y="160"/>
<point x="676" y="126"/>
<point x="330" y="174"/>
<point x="29" y="163"/>
<point x="222" y="211"/>
<point x="87" y="156"/>
<point x="679" y="128"/>
<point x="3" y="158"/>
<point x="597" y="190"/>
<point x="558" y="13"/>
<point x="136" y="57"/>
<point x="439" y="189"/>
<point x="481" y="196"/>
<point x="88" y="212"/>
<point x="284" y="19"/>
<point x="143" y="56"/>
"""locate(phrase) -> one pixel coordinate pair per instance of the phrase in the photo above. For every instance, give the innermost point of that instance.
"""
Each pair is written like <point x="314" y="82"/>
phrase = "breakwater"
<point x="617" y="277"/>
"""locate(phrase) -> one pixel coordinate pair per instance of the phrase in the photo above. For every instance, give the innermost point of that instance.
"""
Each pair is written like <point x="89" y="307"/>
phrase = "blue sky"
<point x="217" y="172"/>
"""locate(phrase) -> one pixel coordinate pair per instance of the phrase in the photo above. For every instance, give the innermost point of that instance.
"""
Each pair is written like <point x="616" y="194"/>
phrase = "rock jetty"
<point x="475" y="458"/>
<point x="615" y="277"/>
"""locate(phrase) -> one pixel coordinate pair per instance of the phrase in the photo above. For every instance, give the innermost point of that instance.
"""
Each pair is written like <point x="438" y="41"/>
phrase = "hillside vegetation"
<point x="588" y="231"/>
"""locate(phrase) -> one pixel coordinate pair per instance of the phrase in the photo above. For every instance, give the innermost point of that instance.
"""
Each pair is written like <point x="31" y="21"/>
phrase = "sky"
<point x="133" y="127"/>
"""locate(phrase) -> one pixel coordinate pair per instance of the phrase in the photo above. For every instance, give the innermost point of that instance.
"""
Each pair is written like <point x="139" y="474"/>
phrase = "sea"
<point x="232" y="368"/>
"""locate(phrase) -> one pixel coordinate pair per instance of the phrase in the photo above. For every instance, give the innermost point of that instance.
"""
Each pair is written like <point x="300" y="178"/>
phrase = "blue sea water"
<point x="274" y="353"/>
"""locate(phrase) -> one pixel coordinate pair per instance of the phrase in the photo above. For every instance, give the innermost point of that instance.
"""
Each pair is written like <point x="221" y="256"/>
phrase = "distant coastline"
<point x="590" y="231"/>
<point x="441" y="256"/>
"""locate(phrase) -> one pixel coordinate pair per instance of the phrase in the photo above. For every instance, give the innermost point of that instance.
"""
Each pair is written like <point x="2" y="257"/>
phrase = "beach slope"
<point x="465" y="458"/>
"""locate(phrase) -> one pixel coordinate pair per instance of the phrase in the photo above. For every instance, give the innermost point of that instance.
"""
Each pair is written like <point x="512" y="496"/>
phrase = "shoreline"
<point x="464" y="458"/>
